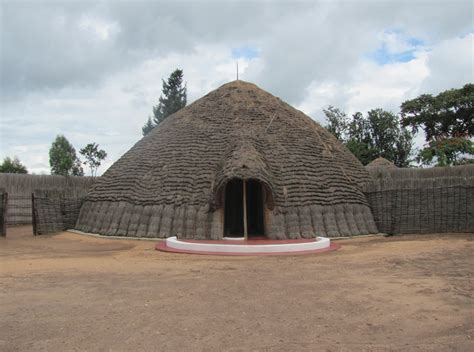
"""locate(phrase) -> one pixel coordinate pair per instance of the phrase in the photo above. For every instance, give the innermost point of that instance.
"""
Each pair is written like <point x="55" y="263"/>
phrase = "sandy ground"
<point x="71" y="292"/>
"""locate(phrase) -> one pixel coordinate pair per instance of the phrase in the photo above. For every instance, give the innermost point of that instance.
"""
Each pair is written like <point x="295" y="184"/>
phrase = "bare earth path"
<point x="70" y="292"/>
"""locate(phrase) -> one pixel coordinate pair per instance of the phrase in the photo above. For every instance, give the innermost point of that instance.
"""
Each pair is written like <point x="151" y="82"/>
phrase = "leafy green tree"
<point x="358" y="139"/>
<point x="447" y="151"/>
<point x="337" y="122"/>
<point x="388" y="138"/>
<point x="379" y="134"/>
<point x="447" y="120"/>
<point x="12" y="166"/>
<point x="172" y="99"/>
<point x="94" y="156"/>
<point x="63" y="159"/>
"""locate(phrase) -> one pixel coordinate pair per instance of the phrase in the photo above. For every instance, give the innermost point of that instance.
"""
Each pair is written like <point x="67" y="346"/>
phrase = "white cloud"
<point x="451" y="64"/>
<point x="368" y="86"/>
<point x="101" y="29"/>
<point x="385" y="86"/>
<point x="444" y="65"/>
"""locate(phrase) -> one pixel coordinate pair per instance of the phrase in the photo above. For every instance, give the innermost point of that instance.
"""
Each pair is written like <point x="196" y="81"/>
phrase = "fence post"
<point x="33" y="213"/>
<point x="4" y="214"/>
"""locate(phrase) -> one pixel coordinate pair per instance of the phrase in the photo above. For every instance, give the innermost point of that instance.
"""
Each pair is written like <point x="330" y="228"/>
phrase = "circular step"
<point x="239" y="246"/>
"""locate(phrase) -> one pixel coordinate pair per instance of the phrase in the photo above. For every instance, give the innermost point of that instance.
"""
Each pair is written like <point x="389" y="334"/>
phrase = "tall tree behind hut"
<point x="447" y="120"/>
<point x="378" y="134"/>
<point x="172" y="99"/>
<point x="63" y="159"/>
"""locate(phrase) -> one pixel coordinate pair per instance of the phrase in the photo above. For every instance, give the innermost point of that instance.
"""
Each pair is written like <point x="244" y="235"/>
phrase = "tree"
<point x="377" y="135"/>
<point x="147" y="127"/>
<point x="93" y="156"/>
<point x="447" y="151"/>
<point x="63" y="159"/>
<point x="172" y="99"/>
<point x="13" y="166"/>
<point x="358" y="139"/>
<point x="337" y="122"/>
<point x="447" y="121"/>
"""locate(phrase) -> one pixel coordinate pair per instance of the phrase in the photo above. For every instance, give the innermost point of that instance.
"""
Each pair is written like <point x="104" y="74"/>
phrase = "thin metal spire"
<point x="237" y="65"/>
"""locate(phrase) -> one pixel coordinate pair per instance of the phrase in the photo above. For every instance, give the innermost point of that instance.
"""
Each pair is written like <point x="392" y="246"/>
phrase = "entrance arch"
<point x="243" y="208"/>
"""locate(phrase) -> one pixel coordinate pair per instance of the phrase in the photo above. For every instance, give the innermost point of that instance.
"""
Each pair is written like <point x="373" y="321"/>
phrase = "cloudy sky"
<point x="92" y="70"/>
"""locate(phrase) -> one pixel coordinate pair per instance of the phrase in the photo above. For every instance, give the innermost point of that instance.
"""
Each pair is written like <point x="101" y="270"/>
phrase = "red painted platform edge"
<point x="162" y="247"/>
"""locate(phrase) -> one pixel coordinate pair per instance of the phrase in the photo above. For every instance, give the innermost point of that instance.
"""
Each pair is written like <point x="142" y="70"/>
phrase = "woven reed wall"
<point x="423" y="200"/>
<point x="20" y="187"/>
<point x="56" y="210"/>
<point x="463" y="171"/>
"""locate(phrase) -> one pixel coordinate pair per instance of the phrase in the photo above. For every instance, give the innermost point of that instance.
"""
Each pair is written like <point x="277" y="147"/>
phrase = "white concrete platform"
<point x="239" y="246"/>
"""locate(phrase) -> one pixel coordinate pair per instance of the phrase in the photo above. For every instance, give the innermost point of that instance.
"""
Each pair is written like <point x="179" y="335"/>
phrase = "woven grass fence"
<point x="423" y="200"/>
<point x="55" y="210"/>
<point x="20" y="187"/>
<point x="462" y="171"/>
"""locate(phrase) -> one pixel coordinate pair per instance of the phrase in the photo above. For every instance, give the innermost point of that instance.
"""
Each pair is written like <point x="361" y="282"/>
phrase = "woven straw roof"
<point x="237" y="130"/>
<point x="381" y="163"/>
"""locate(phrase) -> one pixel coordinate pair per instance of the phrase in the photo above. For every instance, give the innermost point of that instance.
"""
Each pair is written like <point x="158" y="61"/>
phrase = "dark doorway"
<point x="234" y="210"/>
<point x="254" y="208"/>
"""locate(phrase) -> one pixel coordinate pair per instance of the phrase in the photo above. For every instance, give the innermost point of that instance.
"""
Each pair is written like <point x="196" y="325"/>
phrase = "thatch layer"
<point x="380" y="163"/>
<point x="195" y="222"/>
<point x="422" y="173"/>
<point x="236" y="131"/>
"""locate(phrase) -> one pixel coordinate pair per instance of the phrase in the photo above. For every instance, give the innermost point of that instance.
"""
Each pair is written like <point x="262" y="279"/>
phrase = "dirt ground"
<point x="69" y="292"/>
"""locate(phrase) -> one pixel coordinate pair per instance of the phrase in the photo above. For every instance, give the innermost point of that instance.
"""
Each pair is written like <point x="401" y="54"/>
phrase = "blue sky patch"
<point x="246" y="52"/>
<point x="396" y="46"/>
<point x="382" y="56"/>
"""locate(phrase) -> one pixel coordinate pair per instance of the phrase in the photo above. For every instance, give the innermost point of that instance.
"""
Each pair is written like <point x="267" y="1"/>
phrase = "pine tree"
<point x="172" y="99"/>
<point x="148" y="126"/>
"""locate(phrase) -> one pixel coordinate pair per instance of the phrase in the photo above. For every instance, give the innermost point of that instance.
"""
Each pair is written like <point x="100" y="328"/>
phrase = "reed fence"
<point x="20" y="187"/>
<point x="422" y="200"/>
<point x="55" y="210"/>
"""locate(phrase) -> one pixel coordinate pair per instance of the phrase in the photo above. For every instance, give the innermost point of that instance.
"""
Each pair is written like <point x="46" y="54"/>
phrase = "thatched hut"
<point x="237" y="161"/>
<point x="380" y="163"/>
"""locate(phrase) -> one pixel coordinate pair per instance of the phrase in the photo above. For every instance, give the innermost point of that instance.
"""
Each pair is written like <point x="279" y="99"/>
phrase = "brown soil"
<point x="71" y="292"/>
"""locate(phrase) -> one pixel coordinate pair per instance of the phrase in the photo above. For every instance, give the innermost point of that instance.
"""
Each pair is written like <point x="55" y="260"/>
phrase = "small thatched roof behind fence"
<point x="380" y="163"/>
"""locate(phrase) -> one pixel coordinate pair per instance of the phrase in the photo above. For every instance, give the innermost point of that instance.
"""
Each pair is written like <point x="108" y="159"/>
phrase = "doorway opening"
<point x="235" y="212"/>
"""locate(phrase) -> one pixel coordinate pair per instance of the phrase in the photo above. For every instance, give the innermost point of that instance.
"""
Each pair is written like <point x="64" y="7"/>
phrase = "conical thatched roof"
<point x="380" y="163"/>
<point x="235" y="131"/>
